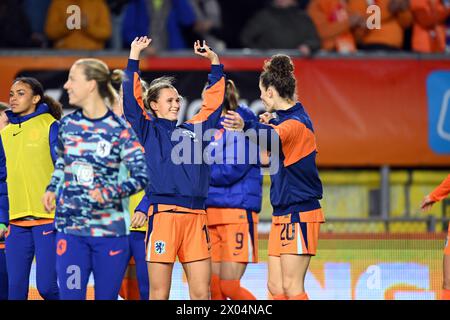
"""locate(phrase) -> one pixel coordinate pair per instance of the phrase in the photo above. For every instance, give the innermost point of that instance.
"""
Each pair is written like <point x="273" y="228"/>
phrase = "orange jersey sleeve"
<point x="441" y="191"/>
<point x="297" y="141"/>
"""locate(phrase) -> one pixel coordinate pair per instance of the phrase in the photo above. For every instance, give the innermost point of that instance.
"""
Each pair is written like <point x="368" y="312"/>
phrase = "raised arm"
<point x="439" y="193"/>
<point x="296" y="138"/>
<point x="213" y="96"/>
<point x="133" y="103"/>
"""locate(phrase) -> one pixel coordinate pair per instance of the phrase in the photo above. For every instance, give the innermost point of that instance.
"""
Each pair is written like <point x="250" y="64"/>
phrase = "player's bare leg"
<point x="198" y="274"/>
<point x="294" y="268"/>
<point x="275" y="279"/>
<point x="160" y="277"/>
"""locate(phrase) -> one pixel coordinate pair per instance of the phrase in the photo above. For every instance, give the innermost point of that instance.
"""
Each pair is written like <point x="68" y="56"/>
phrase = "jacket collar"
<point x="169" y="124"/>
<point x="286" y="113"/>
<point x="16" y="119"/>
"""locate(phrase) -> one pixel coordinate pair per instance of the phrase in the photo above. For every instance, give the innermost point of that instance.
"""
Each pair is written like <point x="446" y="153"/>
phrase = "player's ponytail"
<point x="231" y="101"/>
<point x="54" y="106"/>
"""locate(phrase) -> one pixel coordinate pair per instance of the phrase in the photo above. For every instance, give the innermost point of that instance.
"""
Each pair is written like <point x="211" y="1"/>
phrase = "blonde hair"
<point x="97" y="70"/>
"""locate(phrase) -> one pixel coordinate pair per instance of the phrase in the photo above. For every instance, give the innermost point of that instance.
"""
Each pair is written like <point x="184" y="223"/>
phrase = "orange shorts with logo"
<point x="234" y="235"/>
<point x="172" y="234"/>
<point x="287" y="237"/>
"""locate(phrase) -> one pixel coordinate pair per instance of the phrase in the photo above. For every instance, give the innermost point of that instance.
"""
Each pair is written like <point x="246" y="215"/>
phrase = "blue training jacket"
<point x="174" y="153"/>
<point x="235" y="183"/>
<point x="296" y="186"/>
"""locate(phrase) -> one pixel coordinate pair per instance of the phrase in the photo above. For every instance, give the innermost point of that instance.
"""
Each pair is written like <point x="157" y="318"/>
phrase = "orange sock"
<point x="216" y="292"/>
<point x="301" y="296"/>
<point x="233" y="290"/>
<point x="445" y="294"/>
<point x="279" y="297"/>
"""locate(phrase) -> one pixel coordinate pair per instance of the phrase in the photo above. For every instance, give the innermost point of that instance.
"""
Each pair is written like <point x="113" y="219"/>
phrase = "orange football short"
<point x="301" y="237"/>
<point x="171" y="235"/>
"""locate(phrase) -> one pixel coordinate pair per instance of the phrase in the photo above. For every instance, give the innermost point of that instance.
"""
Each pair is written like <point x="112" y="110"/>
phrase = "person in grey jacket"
<point x="282" y="25"/>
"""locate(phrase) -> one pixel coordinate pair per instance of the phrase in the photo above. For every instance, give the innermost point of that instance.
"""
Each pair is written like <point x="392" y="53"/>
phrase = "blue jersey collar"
<point x="16" y="119"/>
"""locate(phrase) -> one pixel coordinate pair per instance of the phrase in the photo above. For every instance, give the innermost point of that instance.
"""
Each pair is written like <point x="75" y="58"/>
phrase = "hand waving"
<point x="206" y="52"/>
<point x="139" y="44"/>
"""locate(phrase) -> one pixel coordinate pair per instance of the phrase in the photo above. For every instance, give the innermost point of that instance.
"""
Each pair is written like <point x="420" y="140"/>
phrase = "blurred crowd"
<point x="307" y="25"/>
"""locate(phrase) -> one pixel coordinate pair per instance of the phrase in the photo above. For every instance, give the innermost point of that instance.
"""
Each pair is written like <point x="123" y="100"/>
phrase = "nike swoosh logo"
<point x="284" y="244"/>
<point x="15" y="134"/>
<point x="46" y="233"/>
<point x="114" y="253"/>
<point x="236" y="254"/>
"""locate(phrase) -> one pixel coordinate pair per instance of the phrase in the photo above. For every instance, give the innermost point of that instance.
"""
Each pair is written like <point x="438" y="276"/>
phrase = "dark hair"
<point x="38" y="90"/>
<point x="154" y="89"/>
<point x="95" y="69"/>
<point x="231" y="101"/>
<point x="279" y="73"/>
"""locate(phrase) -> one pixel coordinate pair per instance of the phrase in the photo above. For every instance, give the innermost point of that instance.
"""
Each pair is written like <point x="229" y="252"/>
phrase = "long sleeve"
<point x="133" y="158"/>
<point x="4" y="202"/>
<point x="58" y="174"/>
<point x="263" y="135"/>
<point x="211" y="109"/>
<point x="53" y="140"/>
<point x="441" y="191"/>
<point x="144" y="205"/>
<point x="133" y="103"/>
<point x="297" y="141"/>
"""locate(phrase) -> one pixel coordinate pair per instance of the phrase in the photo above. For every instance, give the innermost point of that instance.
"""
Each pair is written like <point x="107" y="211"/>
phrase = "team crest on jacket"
<point x="103" y="148"/>
<point x="160" y="247"/>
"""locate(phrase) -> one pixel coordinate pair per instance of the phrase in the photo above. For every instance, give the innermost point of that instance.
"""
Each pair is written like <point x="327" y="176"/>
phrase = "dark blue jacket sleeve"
<point x="4" y="202"/>
<point x="144" y="205"/>
<point x="264" y="135"/>
<point x="53" y="140"/>
<point x="213" y="97"/>
<point x="133" y="103"/>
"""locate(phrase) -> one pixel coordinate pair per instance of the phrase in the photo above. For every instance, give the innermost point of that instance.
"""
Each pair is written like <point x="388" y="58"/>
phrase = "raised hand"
<point x="205" y="51"/>
<point x="139" y="44"/>
<point x="233" y="121"/>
